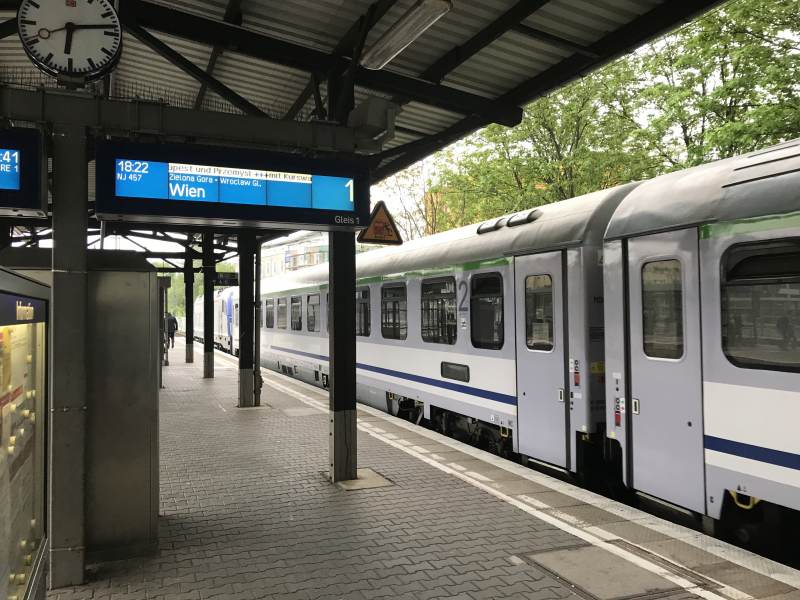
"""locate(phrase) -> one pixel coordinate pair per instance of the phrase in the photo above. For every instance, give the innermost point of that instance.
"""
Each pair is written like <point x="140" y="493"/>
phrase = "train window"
<point x="662" y="309"/>
<point x="282" y="313"/>
<point x="363" y="327"/>
<point x="761" y="305"/>
<point x="269" y="312"/>
<point x="236" y="315"/>
<point x="539" y="312"/>
<point x="439" y="310"/>
<point x="312" y="311"/>
<point x="486" y="311"/>
<point x="394" y="312"/>
<point x="296" y="318"/>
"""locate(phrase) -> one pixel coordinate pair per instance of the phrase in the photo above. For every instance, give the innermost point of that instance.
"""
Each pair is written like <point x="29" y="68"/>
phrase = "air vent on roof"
<point x="525" y="217"/>
<point x="491" y="225"/>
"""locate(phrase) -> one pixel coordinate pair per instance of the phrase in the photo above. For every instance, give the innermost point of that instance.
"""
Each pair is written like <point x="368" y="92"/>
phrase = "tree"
<point x="724" y="84"/>
<point x="417" y="210"/>
<point x="571" y="142"/>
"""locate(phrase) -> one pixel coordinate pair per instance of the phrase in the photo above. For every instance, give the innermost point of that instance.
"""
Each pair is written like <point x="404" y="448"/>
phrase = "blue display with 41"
<point x="9" y="169"/>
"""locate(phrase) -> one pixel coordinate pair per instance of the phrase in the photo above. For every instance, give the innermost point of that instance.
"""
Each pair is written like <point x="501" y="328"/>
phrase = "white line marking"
<point x="719" y="548"/>
<point x="543" y="516"/>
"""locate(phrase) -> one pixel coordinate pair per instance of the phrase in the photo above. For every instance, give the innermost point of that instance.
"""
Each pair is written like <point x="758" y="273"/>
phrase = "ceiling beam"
<point x="458" y="55"/>
<point x="553" y="40"/>
<point x="657" y="21"/>
<point x="191" y="69"/>
<point x="376" y="12"/>
<point x="209" y="31"/>
<point x="233" y="14"/>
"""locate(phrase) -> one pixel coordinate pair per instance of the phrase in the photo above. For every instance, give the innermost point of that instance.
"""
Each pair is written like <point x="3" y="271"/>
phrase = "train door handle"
<point x="635" y="405"/>
<point x="560" y="394"/>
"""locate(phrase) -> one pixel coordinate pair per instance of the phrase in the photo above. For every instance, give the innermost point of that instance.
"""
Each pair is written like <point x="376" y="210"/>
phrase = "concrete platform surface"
<point x="247" y="513"/>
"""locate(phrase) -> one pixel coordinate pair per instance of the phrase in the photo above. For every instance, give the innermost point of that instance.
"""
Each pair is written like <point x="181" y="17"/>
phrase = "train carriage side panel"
<point x="716" y="248"/>
<point x="616" y="326"/>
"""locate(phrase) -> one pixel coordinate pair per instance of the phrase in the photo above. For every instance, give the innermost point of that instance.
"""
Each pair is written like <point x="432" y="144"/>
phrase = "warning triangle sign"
<point x="381" y="228"/>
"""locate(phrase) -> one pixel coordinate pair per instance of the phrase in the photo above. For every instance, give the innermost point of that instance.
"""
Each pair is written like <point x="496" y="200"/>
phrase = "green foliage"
<point x="176" y="297"/>
<point x="725" y="84"/>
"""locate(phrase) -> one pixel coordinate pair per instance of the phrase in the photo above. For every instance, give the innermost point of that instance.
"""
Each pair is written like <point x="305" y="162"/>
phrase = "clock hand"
<point x="98" y="26"/>
<point x="68" y="42"/>
<point x="45" y="33"/>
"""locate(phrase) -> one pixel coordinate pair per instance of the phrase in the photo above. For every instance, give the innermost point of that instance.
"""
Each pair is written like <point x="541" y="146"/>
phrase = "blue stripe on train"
<point x="456" y="387"/>
<point x="765" y="455"/>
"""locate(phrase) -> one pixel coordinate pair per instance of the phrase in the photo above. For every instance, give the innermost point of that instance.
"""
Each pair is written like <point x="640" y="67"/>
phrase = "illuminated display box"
<point x="23" y="418"/>
<point x="228" y="187"/>
<point x="23" y="178"/>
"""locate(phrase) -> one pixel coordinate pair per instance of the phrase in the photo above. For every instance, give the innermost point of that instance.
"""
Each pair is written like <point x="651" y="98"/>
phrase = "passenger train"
<point x="649" y="330"/>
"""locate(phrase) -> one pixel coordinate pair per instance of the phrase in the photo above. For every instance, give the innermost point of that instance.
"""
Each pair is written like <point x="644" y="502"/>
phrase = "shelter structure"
<point x="358" y="81"/>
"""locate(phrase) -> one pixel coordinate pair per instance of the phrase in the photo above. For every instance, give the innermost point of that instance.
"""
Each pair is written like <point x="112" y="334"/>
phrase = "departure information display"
<point x="9" y="168"/>
<point x="230" y="185"/>
<point x="23" y="173"/>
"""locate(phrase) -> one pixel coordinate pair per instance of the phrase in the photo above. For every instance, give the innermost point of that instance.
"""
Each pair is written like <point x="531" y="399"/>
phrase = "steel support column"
<point x="188" y="284"/>
<point x="257" y="380"/>
<point x="209" y="269"/>
<point x="342" y="352"/>
<point x="68" y="381"/>
<point x="247" y="243"/>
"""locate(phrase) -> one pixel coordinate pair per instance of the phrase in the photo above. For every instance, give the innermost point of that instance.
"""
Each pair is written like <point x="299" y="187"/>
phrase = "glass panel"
<point x="297" y="314"/>
<point x="282" y="316"/>
<point x="439" y="311"/>
<point x="394" y="316"/>
<point x="662" y="309"/>
<point x="270" y="313"/>
<point x="761" y="306"/>
<point x="486" y="311"/>
<point x="539" y="312"/>
<point x="312" y="309"/>
<point x="363" y="325"/>
<point x="22" y="466"/>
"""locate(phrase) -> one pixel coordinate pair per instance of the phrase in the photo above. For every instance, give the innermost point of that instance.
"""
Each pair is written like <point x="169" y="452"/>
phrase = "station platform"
<point x="247" y="513"/>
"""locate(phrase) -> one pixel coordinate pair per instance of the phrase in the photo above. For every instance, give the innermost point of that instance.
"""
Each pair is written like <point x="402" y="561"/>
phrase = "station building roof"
<point x="478" y="64"/>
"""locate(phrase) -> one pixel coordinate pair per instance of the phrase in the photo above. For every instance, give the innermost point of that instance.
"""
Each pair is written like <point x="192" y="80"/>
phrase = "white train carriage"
<point x="702" y="306"/>
<point x="226" y="319"/>
<point x="492" y="332"/>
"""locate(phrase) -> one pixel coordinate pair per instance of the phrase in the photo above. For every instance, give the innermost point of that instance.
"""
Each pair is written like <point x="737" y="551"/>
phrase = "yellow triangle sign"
<point x="381" y="228"/>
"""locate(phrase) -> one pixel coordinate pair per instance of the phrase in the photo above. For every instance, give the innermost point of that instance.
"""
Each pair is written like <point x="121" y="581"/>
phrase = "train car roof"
<point x="568" y="223"/>
<point x="752" y="185"/>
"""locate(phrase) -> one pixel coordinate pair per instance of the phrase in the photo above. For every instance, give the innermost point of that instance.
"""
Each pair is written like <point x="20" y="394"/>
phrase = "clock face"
<point x="76" y="38"/>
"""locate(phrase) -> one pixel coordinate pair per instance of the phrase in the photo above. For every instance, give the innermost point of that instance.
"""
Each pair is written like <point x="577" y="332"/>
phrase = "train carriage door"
<point x="541" y="402"/>
<point x="665" y="368"/>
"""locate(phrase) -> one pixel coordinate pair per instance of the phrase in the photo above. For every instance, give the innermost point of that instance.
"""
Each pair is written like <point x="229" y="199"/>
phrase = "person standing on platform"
<point x="172" y="327"/>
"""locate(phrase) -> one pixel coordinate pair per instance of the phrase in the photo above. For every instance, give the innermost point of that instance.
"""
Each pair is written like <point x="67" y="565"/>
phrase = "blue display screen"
<point x="9" y="168"/>
<point x="199" y="183"/>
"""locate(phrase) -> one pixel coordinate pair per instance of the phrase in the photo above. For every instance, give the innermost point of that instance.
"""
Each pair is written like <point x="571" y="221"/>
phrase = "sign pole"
<point x="188" y="284"/>
<point x="208" y="305"/>
<point x="257" y="333"/>
<point x="246" y="242"/>
<point x="342" y="351"/>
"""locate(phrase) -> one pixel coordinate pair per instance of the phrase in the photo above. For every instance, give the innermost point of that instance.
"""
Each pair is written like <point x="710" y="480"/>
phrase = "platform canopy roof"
<point x="478" y="64"/>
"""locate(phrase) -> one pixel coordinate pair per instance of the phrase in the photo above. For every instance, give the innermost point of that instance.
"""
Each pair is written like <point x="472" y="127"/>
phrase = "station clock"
<point x="74" y="40"/>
